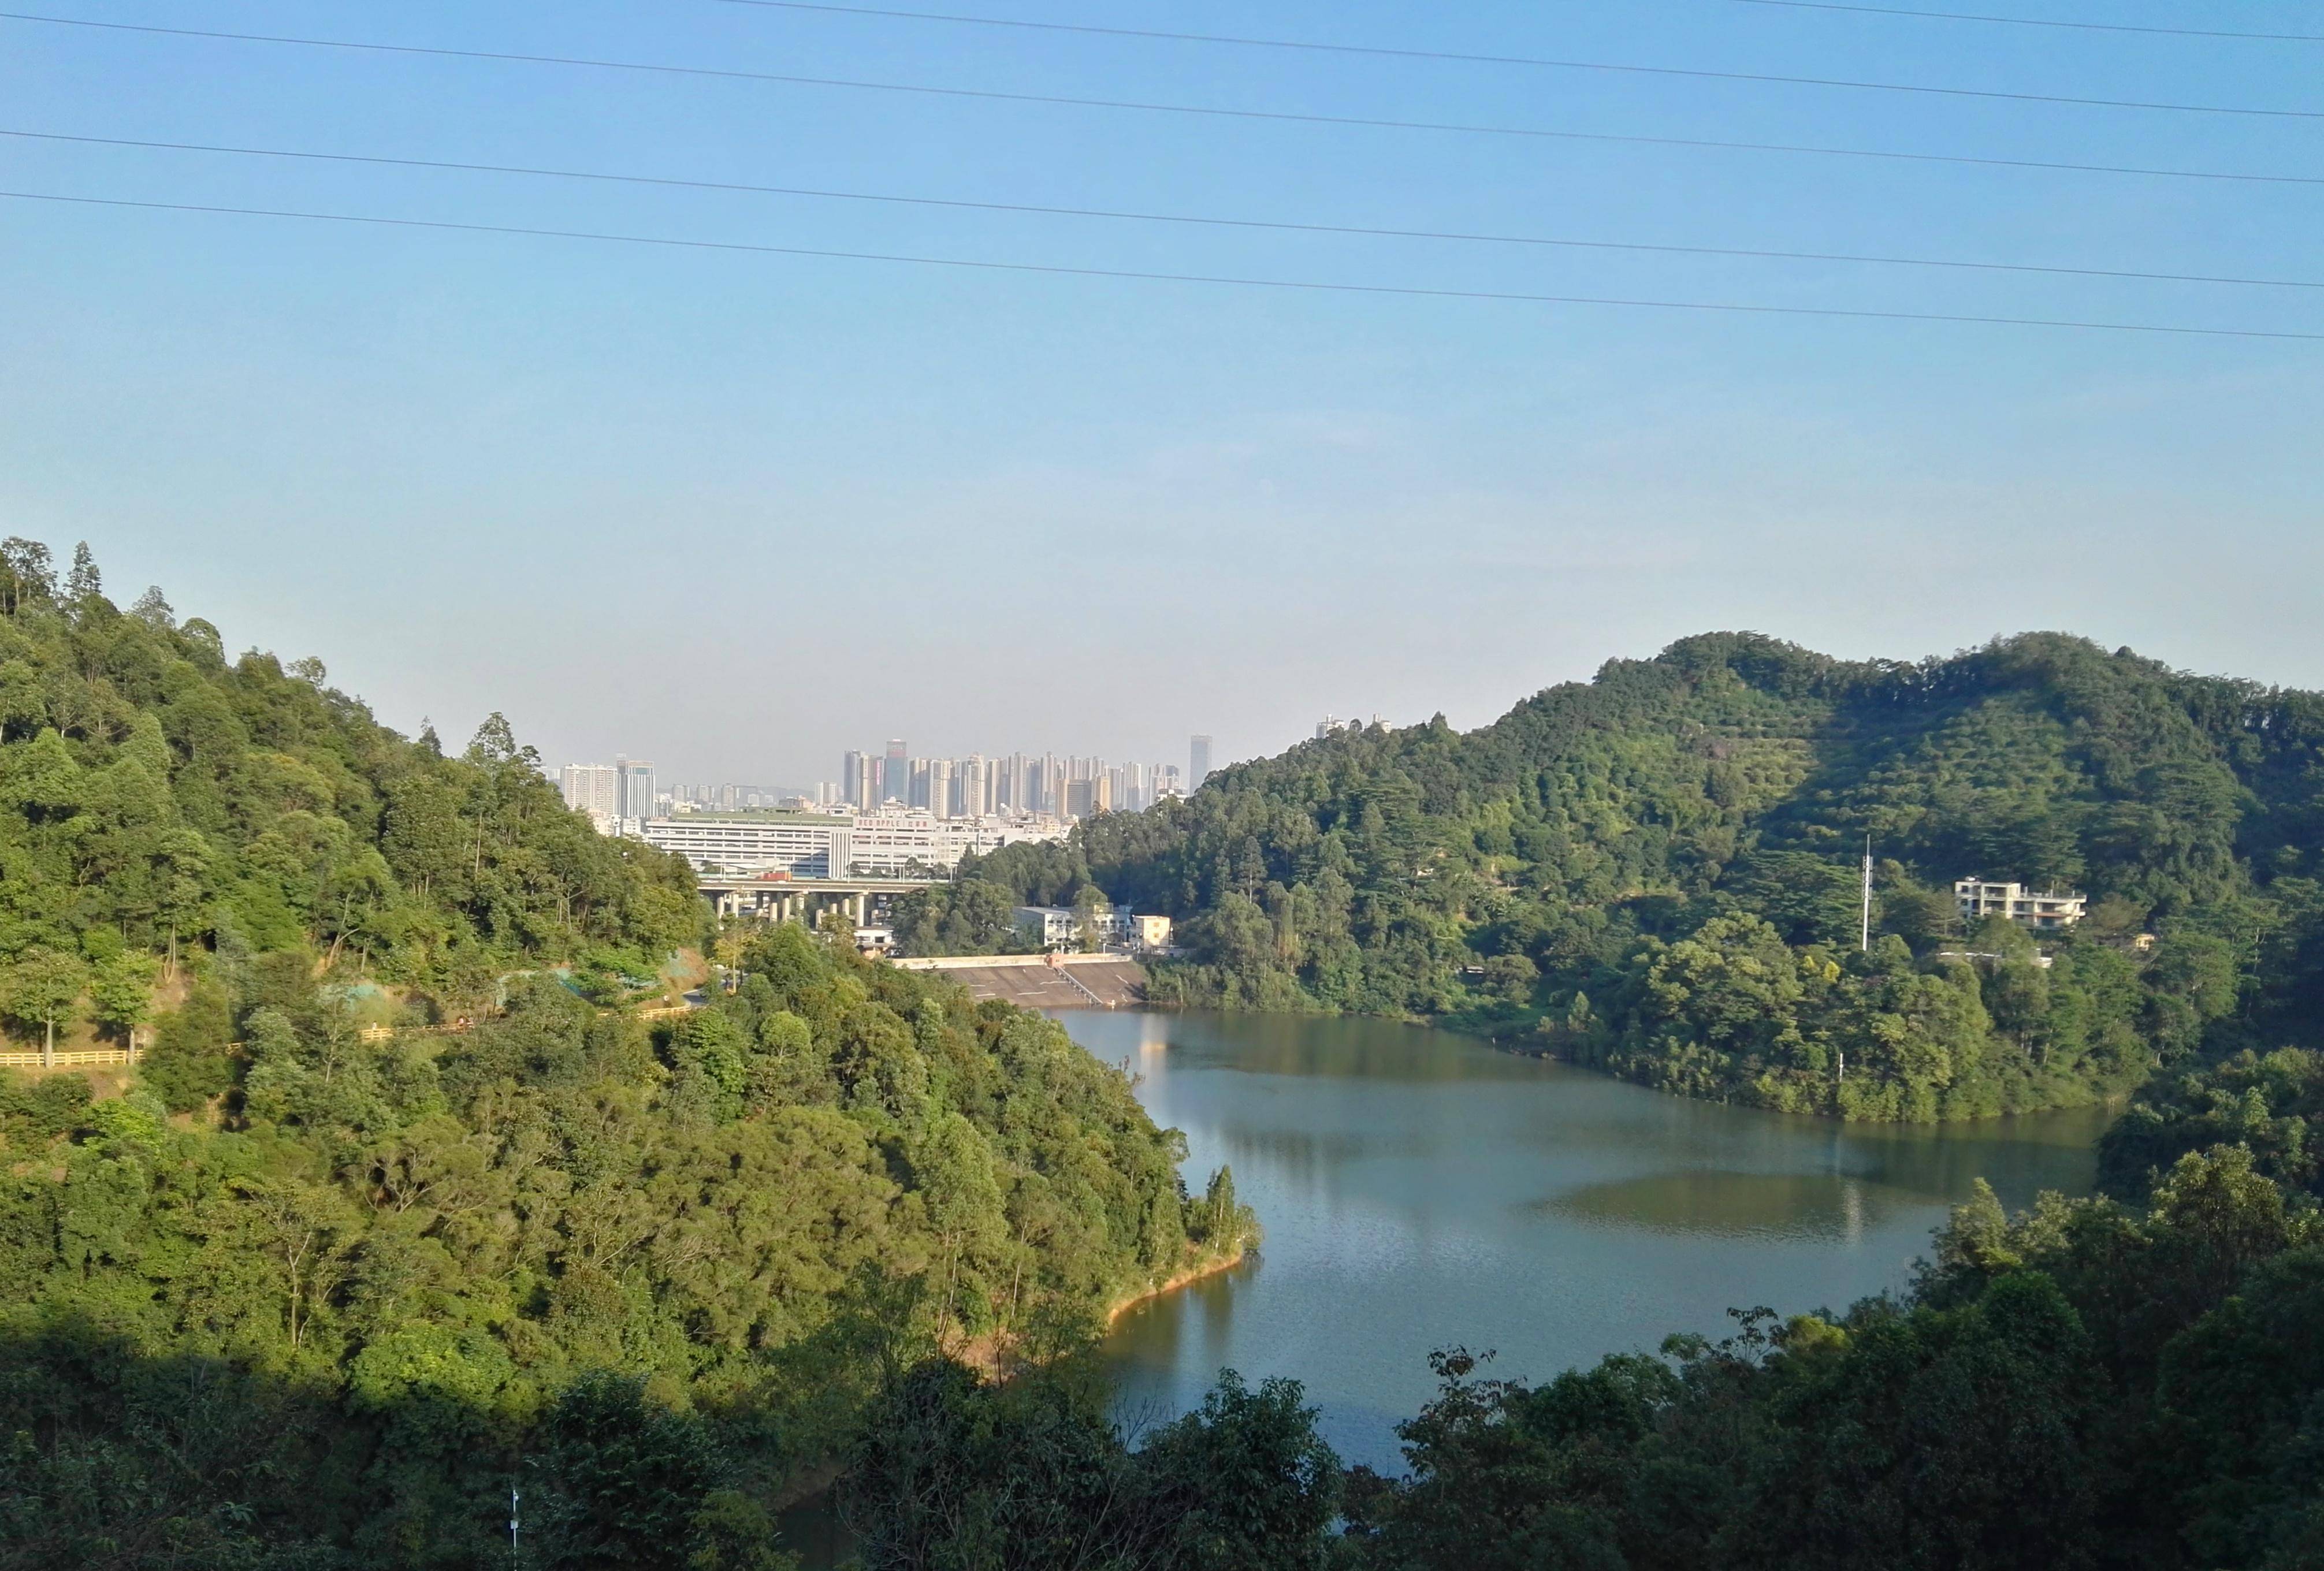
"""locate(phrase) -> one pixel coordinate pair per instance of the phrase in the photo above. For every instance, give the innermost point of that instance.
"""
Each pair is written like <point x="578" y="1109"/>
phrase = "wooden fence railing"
<point x="67" y="1058"/>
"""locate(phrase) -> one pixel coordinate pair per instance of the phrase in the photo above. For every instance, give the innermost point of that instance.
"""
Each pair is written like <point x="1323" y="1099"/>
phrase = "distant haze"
<point x="736" y="513"/>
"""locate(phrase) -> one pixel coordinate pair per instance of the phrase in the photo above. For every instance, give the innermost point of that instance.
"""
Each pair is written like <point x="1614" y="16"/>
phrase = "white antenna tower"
<point x="1864" y="941"/>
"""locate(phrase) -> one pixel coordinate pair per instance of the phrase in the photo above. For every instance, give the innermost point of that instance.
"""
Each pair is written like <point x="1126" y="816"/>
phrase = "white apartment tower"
<point x="591" y="788"/>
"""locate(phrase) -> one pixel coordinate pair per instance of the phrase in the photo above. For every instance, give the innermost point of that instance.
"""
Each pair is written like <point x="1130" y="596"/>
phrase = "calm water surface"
<point x="1421" y="1190"/>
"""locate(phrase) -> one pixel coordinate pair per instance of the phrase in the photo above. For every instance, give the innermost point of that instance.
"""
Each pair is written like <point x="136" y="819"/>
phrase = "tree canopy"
<point x="431" y="1265"/>
<point x="157" y="801"/>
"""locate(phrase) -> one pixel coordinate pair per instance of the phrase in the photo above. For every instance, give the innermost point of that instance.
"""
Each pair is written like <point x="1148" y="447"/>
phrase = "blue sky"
<point x="738" y="511"/>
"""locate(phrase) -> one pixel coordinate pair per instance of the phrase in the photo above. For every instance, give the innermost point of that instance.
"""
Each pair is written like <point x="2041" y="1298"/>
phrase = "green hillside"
<point x="304" y="1294"/>
<point x="652" y="1277"/>
<point x="160" y="802"/>
<point x="1656" y="872"/>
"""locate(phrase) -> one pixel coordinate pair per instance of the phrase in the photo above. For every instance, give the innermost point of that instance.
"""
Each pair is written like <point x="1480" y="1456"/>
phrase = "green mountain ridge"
<point x="1655" y="872"/>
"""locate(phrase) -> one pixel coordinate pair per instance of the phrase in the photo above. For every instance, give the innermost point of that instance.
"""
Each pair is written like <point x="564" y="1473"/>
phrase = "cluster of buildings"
<point x="622" y="798"/>
<point x="1115" y="927"/>
<point x="611" y="794"/>
<point x="889" y="815"/>
<point x="728" y="797"/>
<point x="1014" y="785"/>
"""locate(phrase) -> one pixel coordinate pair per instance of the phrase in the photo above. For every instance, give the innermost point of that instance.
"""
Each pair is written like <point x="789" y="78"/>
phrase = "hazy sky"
<point x="737" y="511"/>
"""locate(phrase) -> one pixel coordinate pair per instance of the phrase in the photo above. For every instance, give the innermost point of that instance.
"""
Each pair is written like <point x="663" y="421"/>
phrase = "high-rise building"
<point x="852" y="785"/>
<point x="591" y="788"/>
<point x="1198" y="762"/>
<point x="635" y="795"/>
<point x="896" y="778"/>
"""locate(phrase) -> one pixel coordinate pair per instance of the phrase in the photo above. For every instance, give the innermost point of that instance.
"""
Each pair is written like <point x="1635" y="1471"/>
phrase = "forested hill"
<point x="298" y="1293"/>
<point x="648" y="1276"/>
<point x="159" y="800"/>
<point x="1656" y="872"/>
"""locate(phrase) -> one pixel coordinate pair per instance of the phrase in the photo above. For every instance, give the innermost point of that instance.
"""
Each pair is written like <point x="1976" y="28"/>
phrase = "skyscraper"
<point x="635" y="794"/>
<point x="1198" y="761"/>
<point x="896" y="780"/>
<point x="854" y="783"/>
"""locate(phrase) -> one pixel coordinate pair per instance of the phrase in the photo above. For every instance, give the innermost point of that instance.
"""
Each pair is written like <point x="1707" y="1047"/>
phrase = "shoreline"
<point x="1185" y="1278"/>
<point x="991" y="1353"/>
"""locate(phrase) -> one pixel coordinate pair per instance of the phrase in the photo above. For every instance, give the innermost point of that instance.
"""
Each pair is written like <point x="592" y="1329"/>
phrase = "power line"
<point x="1045" y="210"/>
<point x="1278" y="115"/>
<point x="1380" y="51"/>
<point x="1055" y="270"/>
<point x="2043" y="22"/>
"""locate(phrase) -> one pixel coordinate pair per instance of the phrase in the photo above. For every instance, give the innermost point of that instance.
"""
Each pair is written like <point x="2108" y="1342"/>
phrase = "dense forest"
<point x="650" y="1277"/>
<point x="2132" y="1383"/>
<point x="324" y="1277"/>
<point x="1656" y="872"/>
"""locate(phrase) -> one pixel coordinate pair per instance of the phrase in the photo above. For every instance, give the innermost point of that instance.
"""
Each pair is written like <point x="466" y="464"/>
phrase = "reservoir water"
<point x="1421" y="1190"/>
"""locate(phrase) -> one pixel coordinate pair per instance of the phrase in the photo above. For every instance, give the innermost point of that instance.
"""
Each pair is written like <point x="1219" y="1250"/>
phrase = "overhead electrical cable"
<point x="1621" y="68"/>
<point x="1133" y="216"/>
<point x="1143" y="276"/>
<point x="1204" y="111"/>
<point x="2042" y="22"/>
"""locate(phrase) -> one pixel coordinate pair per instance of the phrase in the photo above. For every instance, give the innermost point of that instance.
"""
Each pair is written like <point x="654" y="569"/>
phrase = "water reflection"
<point x="1422" y="1189"/>
<point x="1742" y="1204"/>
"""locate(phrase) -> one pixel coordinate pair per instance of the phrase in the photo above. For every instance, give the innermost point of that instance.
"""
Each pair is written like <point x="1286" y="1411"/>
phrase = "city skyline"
<point x="979" y="784"/>
<point x="1053" y="785"/>
<point x="606" y="791"/>
<point x="894" y="774"/>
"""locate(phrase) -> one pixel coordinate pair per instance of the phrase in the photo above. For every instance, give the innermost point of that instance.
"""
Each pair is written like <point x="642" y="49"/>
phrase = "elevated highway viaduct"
<point x="799" y="899"/>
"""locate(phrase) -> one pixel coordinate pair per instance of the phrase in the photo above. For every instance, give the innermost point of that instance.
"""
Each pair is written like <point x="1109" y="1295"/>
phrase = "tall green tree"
<point x="40" y="988"/>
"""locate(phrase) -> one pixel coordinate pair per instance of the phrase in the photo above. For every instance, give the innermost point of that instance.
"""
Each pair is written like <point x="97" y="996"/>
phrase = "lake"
<point x="1421" y="1190"/>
